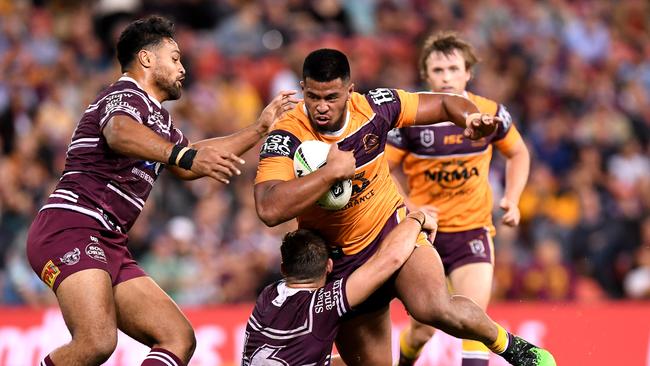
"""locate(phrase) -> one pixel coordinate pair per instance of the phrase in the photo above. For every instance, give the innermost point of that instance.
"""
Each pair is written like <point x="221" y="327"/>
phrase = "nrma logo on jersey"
<point x="451" y="174"/>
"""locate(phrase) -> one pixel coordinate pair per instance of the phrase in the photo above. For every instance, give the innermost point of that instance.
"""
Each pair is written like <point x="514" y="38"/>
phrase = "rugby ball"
<point x="312" y="155"/>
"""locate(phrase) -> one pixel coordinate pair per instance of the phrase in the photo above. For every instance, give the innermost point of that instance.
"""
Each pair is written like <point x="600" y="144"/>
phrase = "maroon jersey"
<point x="292" y="326"/>
<point x="99" y="182"/>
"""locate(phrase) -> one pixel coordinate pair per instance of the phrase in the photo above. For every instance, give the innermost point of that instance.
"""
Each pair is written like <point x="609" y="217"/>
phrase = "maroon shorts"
<point x="464" y="247"/>
<point x="346" y="264"/>
<point x="61" y="242"/>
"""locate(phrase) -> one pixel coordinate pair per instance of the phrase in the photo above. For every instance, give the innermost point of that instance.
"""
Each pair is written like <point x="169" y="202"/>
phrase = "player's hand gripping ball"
<point x="312" y="155"/>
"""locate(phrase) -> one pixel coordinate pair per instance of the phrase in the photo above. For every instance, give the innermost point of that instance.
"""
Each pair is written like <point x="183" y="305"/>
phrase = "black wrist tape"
<point x="172" y="157"/>
<point x="187" y="159"/>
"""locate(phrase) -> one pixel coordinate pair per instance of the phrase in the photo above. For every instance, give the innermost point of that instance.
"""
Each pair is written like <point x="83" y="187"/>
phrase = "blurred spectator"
<point x="637" y="281"/>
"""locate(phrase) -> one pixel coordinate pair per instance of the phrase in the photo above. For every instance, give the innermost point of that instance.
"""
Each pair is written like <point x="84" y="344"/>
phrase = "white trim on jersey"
<point x="127" y="78"/>
<point x="340" y="304"/>
<point x="371" y="161"/>
<point x="79" y="209"/>
<point x="135" y="201"/>
<point x="273" y="333"/>
<point x="71" y="173"/>
<point x="85" y="139"/>
<point x="128" y="111"/>
<point x="72" y="147"/>
<point x="67" y="198"/>
<point x="152" y="357"/>
<point x="65" y="191"/>
<point x="360" y="127"/>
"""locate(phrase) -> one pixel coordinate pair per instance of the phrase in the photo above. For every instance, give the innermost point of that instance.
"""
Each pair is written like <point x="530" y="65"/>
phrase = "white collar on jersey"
<point x="338" y="132"/>
<point x="285" y="292"/>
<point x="128" y="78"/>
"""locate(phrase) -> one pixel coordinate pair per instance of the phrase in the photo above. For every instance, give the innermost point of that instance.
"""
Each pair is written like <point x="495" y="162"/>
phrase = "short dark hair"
<point x="140" y="34"/>
<point x="326" y="64"/>
<point x="446" y="42"/>
<point x="304" y="255"/>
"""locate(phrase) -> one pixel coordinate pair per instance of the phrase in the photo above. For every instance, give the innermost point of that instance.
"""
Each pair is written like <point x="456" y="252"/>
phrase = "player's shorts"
<point x="464" y="247"/>
<point x="62" y="242"/>
<point x="346" y="264"/>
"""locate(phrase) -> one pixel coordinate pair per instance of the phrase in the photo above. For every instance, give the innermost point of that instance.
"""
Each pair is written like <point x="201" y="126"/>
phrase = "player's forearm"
<point x="280" y="201"/>
<point x="440" y="107"/>
<point x="517" y="168"/>
<point x="394" y="250"/>
<point x="130" y="138"/>
<point x="238" y="142"/>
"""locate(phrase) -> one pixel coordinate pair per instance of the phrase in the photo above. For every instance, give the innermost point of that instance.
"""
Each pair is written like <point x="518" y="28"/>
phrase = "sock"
<point x="161" y="357"/>
<point x="475" y="353"/>
<point x="47" y="361"/>
<point x="501" y="343"/>
<point x="406" y="349"/>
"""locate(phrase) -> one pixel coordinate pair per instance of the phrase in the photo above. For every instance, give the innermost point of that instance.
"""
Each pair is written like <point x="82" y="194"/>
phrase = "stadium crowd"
<point x="575" y="75"/>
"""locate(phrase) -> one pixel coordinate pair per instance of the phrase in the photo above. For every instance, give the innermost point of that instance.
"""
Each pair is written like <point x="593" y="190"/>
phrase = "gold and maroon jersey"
<point x="375" y="198"/>
<point x="449" y="171"/>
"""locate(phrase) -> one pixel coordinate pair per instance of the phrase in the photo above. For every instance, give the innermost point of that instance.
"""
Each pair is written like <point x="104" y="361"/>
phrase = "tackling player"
<point x="77" y="243"/>
<point x="295" y="320"/>
<point x="357" y="126"/>
<point x="448" y="173"/>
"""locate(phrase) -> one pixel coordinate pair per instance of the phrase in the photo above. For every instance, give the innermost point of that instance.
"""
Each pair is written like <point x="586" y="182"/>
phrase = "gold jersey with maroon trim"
<point x="449" y="171"/>
<point x="375" y="198"/>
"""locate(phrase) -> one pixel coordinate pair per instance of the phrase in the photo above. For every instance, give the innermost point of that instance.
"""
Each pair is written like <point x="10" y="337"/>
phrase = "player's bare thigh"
<point x="366" y="339"/>
<point x="421" y="283"/>
<point x="473" y="280"/>
<point x="86" y="302"/>
<point x="146" y="313"/>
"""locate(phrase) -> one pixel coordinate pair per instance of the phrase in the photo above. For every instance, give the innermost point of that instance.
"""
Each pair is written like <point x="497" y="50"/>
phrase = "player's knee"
<point x="435" y="315"/>
<point x="182" y="341"/>
<point x="98" y="348"/>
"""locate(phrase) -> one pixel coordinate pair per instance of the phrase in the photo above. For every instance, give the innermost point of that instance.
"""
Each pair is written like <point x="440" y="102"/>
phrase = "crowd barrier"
<point x="603" y="334"/>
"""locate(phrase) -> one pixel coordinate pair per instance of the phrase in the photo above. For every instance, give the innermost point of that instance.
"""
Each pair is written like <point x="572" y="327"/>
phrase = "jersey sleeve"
<point x="396" y="147"/>
<point x="330" y="304"/>
<point x="397" y="107"/>
<point x="276" y="157"/>
<point x="176" y="136"/>
<point x="511" y="138"/>
<point x="125" y="103"/>
<point x="507" y="134"/>
<point x="505" y="125"/>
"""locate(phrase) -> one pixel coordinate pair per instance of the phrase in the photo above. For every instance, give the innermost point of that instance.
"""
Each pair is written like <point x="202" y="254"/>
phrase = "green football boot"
<point x="522" y="353"/>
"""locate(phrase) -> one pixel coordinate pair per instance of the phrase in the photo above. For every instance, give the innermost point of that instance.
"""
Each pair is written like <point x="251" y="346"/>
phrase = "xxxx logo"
<point x="49" y="273"/>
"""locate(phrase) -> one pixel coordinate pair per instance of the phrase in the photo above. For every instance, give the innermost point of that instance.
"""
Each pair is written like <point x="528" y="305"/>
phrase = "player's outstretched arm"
<point x="242" y="140"/>
<point x="278" y="201"/>
<point x="128" y="137"/>
<point x="443" y="107"/>
<point x="393" y="251"/>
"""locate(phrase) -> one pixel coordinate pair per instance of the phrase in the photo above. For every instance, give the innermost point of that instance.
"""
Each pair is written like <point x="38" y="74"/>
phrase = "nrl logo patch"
<point x="71" y="257"/>
<point x="477" y="247"/>
<point x="49" y="273"/>
<point x="95" y="252"/>
<point x="426" y="138"/>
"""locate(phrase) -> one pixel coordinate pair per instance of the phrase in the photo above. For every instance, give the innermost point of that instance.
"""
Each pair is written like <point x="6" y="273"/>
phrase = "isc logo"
<point x="453" y="139"/>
